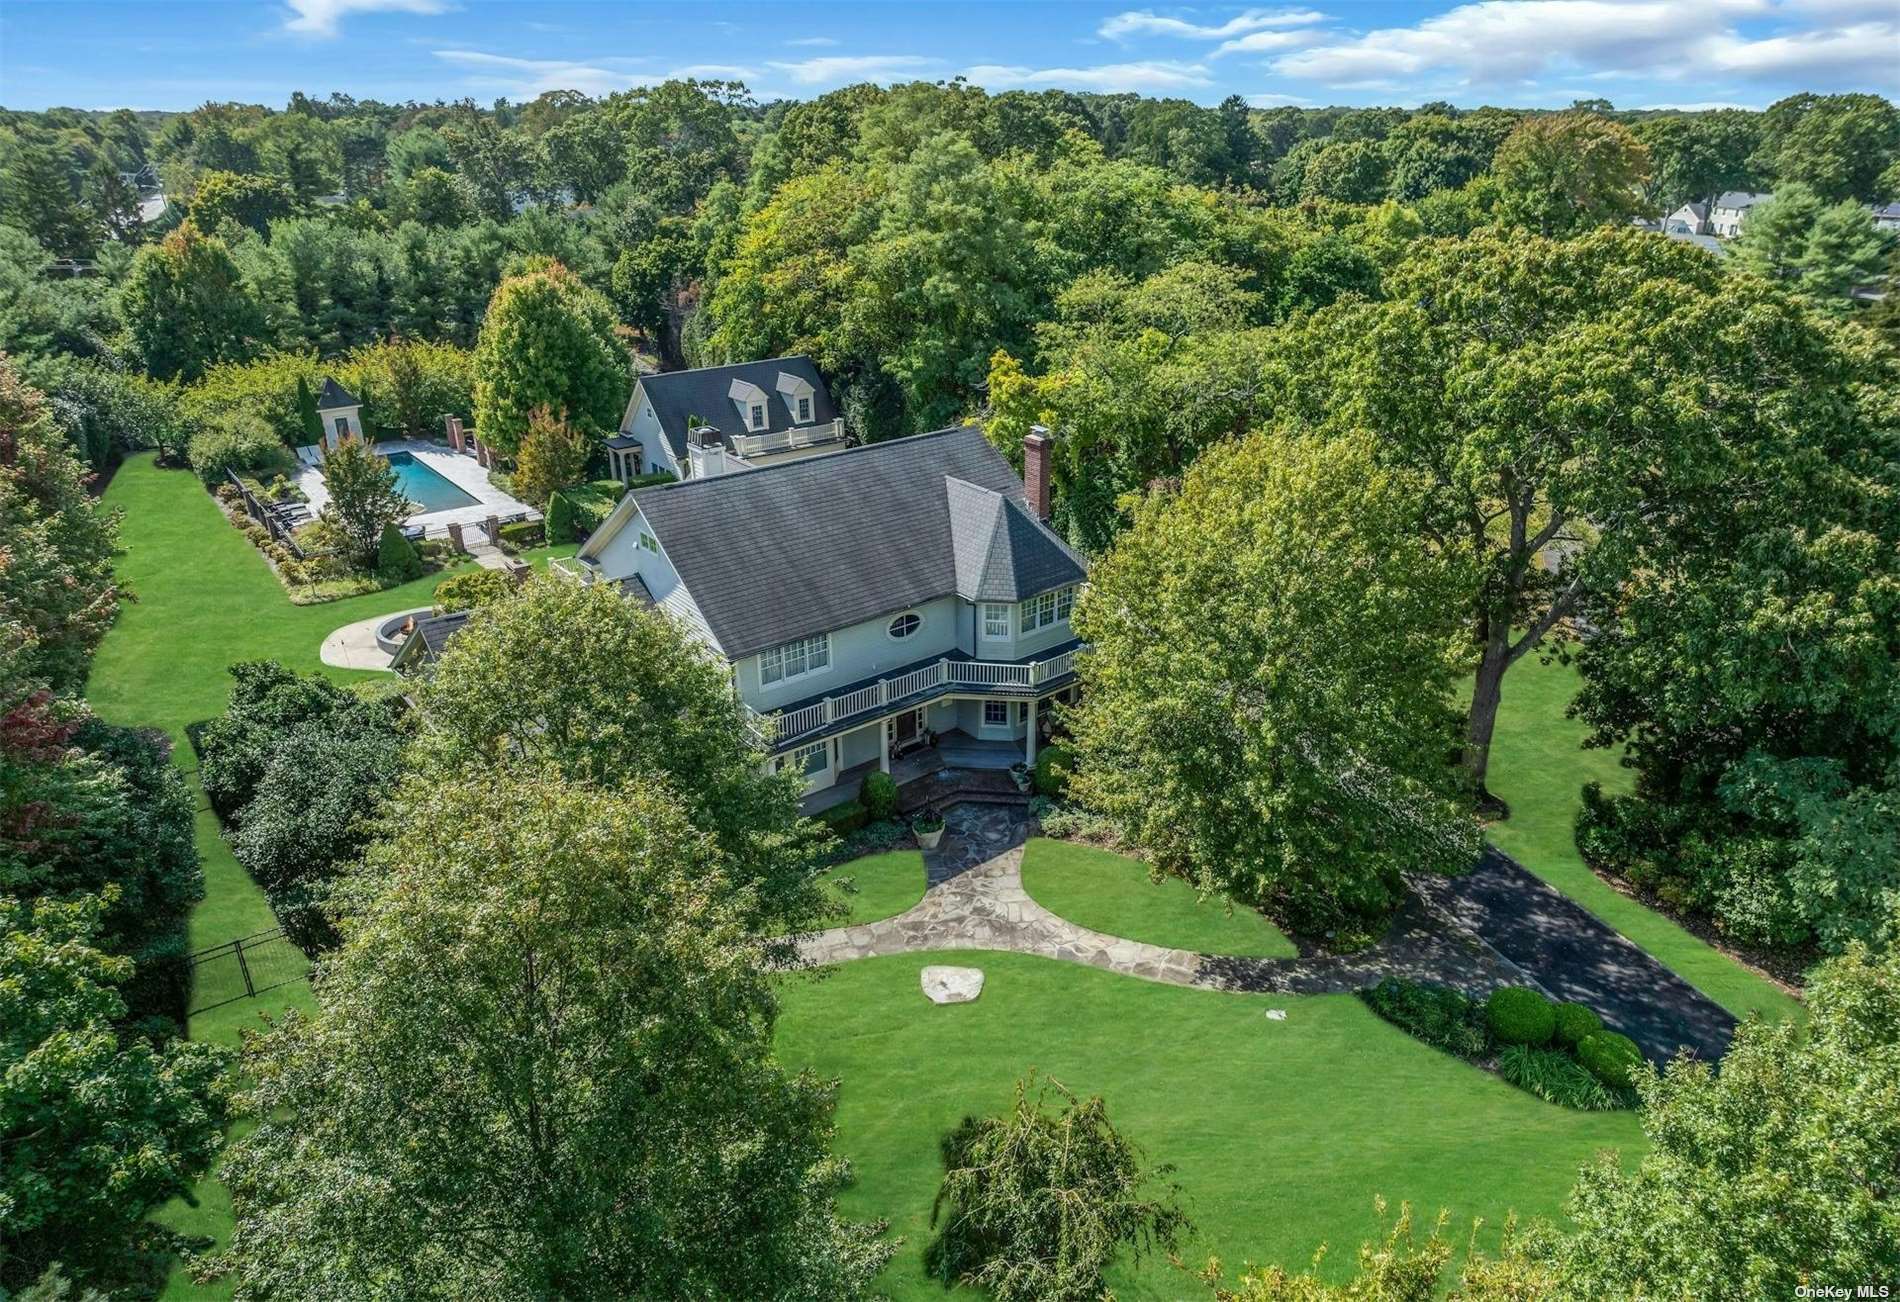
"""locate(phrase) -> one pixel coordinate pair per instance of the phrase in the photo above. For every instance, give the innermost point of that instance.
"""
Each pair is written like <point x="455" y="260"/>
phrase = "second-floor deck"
<point x="954" y="673"/>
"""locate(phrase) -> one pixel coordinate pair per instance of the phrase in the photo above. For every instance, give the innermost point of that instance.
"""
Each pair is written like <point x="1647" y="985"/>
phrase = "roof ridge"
<point x="709" y="480"/>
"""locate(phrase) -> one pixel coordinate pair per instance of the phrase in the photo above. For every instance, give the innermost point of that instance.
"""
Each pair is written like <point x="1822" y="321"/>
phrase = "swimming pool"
<point x="427" y="489"/>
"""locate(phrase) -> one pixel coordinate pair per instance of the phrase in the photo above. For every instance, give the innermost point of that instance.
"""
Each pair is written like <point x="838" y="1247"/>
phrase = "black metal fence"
<point x="240" y="969"/>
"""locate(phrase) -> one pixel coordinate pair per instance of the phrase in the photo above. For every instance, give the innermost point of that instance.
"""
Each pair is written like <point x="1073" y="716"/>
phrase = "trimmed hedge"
<point x="1611" y="1057"/>
<point x="1575" y="1024"/>
<point x="522" y="534"/>
<point x="845" y="818"/>
<point x="1518" y="1015"/>
<point x="879" y="795"/>
<point x="1054" y="763"/>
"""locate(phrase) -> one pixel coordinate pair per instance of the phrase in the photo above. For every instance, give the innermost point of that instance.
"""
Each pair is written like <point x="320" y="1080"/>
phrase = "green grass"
<point x="886" y="885"/>
<point x="1281" y="1132"/>
<point x="206" y="598"/>
<point x="1112" y="893"/>
<point x="1538" y="767"/>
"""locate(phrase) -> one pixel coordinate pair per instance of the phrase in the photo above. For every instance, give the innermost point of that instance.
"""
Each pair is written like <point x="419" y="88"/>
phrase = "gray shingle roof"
<point x="333" y="394"/>
<point x="808" y="546"/>
<point x="706" y="393"/>
<point x="1002" y="553"/>
<point x="1741" y="199"/>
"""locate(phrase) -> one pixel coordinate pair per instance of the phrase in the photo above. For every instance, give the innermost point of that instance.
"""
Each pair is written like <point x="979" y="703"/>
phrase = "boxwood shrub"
<point x="1610" y="1057"/>
<point x="1519" y="1015"/>
<point x="1054" y="763"/>
<point x="879" y="795"/>
<point x="1575" y="1024"/>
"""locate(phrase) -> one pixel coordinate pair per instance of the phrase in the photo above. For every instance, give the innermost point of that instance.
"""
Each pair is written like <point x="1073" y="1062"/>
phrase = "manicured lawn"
<point x="1112" y="893"/>
<point x="1282" y="1132"/>
<point x="205" y="598"/>
<point x="886" y="885"/>
<point x="1538" y="766"/>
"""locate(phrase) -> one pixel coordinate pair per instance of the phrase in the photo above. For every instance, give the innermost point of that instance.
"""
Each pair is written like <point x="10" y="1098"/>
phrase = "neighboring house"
<point x="1708" y="242"/>
<point x="1731" y="211"/>
<point x="1690" y="219"/>
<point x="868" y="600"/>
<point x="1886" y="216"/>
<point x="721" y="419"/>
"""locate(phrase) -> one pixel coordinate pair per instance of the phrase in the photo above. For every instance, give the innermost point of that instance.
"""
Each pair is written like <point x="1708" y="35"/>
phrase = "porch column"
<point x="884" y="746"/>
<point x="1030" y="755"/>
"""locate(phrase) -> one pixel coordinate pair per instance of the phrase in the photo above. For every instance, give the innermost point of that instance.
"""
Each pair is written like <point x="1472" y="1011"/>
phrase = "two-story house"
<point x="1690" y="219"/>
<point x="873" y="603"/>
<point x="1730" y="213"/>
<point x="721" y="419"/>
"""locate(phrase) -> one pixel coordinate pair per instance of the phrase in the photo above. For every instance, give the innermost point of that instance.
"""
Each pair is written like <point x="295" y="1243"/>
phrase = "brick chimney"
<point x="1036" y="469"/>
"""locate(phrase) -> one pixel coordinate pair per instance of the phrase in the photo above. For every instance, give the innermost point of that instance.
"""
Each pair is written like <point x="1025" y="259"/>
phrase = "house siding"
<point x="624" y="555"/>
<point x="860" y="651"/>
<point x="656" y="452"/>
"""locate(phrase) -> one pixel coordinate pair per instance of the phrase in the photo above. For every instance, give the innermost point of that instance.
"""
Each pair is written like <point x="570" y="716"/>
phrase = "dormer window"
<point x="757" y="415"/>
<point x="804" y="410"/>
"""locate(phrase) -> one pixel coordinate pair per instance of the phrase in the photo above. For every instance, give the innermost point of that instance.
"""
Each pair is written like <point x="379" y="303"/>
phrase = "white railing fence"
<point x="800" y="436"/>
<point x="985" y="674"/>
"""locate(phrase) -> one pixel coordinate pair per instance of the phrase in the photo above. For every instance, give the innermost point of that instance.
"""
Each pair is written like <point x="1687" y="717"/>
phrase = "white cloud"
<point x="1700" y="106"/>
<point x="1511" y="44"/>
<point x="323" y="17"/>
<point x="1144" y="22"/>
<point x="1865" y="52"/>
<point x="1273" y="99"/>
<point x="526" y="78"/>
<point x="1512" y="40"/>
<point x="1151" y="75"/>
<point x="1264" y="42"/>
<point x="840" y="68"/>
<point x="814" y="40"/>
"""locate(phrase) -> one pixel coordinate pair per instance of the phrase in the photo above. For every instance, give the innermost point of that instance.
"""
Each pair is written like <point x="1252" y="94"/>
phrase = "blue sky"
<point x="1637" y="53"/>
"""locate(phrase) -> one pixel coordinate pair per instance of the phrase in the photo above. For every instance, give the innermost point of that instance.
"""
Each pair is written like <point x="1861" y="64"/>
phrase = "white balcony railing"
<point x="943" y="675"/>
<point x="799" y="436"/>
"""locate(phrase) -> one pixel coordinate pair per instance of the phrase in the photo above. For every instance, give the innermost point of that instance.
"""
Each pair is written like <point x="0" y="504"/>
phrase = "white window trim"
<point x="804" y="643"/>
<point x="649" y="543"/>
<point x="903" y="614"/>
<point x="803" y="409"/>
<point x="995" y="705"/>
<point x="757" y="417"/>
<point x="983" y="621"/>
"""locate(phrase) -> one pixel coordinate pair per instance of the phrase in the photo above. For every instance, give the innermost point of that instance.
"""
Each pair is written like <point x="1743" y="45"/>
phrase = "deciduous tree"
<point x="1268" y="697"/>
<point x="98" y="1132"/>
<point x="364" y="497"/>
<point x="582" y="1104"/>
<point x="1560" y="174"/>
<point x="547" y="342"/>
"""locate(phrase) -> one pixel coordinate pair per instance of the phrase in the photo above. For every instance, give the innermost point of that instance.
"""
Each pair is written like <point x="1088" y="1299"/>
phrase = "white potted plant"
<point x="929" y="829"/>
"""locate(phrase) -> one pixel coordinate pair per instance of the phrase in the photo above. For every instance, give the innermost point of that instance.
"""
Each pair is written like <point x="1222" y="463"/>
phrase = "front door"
<point x="906" y="728"/>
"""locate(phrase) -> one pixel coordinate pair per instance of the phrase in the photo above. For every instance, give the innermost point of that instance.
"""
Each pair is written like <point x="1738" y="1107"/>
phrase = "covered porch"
<point x="952" y="750"/>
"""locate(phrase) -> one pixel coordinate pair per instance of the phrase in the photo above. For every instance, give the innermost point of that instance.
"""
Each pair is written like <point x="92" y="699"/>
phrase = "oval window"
<point x="904" y="625"/>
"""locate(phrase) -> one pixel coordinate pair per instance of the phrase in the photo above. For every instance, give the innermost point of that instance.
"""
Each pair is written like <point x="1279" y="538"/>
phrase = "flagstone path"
<point x="1496" y="926"/>
<point x="977" y="900"/>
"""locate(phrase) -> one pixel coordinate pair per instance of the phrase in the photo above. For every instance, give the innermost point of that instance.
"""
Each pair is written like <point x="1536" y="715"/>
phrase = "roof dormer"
<point x="799" y="395"/>
<point x="751" y="400"/>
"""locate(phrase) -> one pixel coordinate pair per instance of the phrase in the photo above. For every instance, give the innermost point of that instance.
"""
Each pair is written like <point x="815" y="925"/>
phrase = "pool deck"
<point x="461" y="470"/>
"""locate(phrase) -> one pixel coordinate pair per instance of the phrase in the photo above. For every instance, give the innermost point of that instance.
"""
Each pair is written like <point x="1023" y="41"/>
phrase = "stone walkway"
<point x="977" y="900"/>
